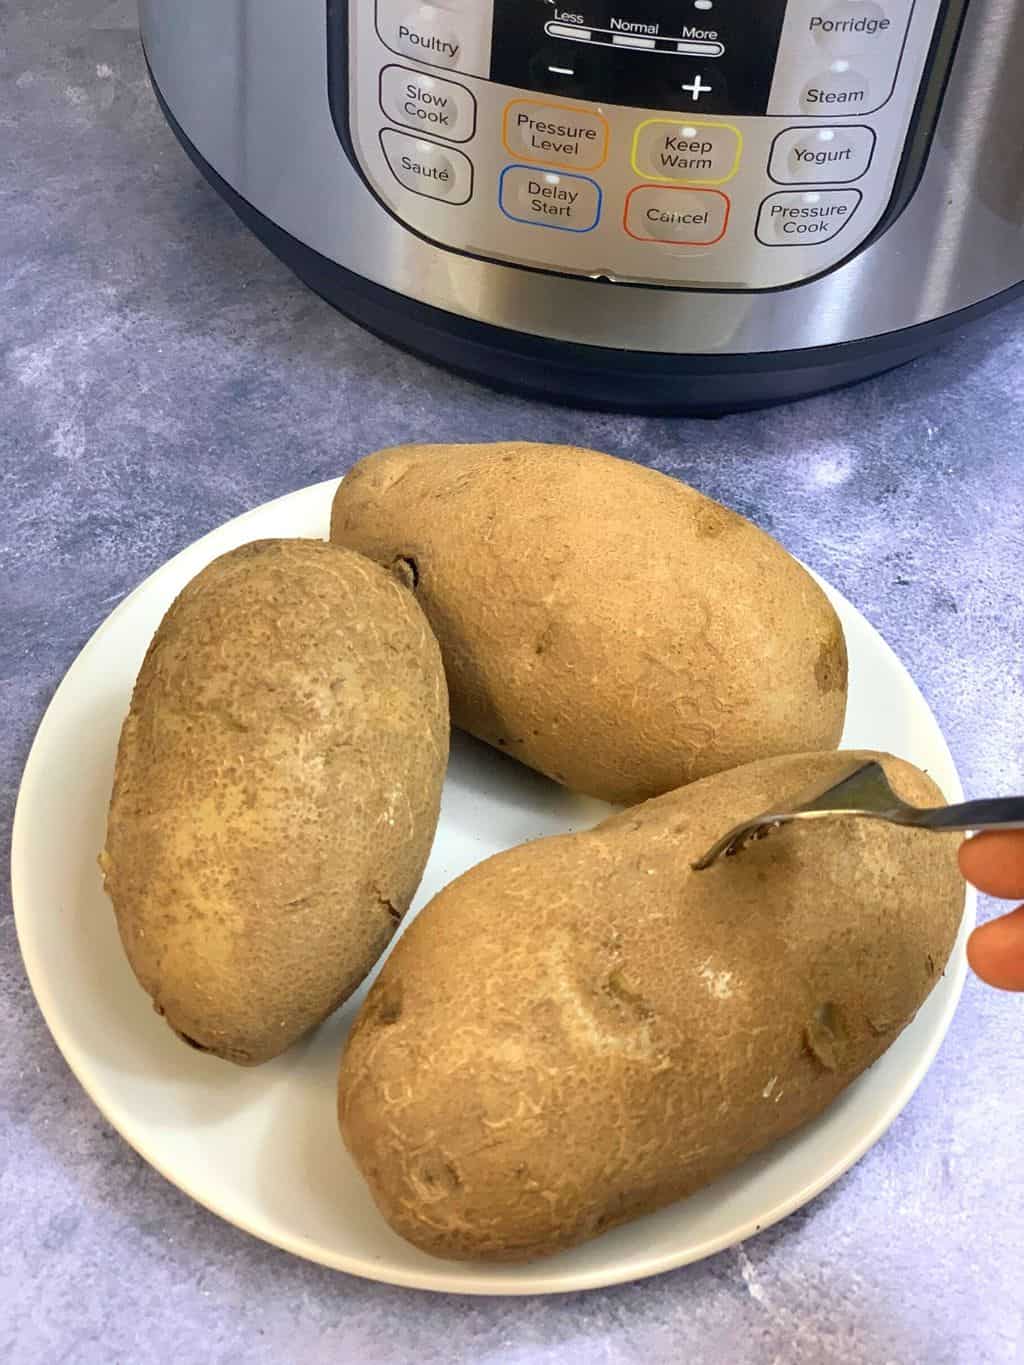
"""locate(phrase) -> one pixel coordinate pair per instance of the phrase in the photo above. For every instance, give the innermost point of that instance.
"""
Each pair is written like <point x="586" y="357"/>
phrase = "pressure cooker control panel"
<point x="695" y="143"/>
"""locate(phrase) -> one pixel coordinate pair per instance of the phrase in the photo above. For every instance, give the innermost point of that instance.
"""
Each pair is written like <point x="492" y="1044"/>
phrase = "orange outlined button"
<point x="676" y="215"/>
<point x="555" y="135"/>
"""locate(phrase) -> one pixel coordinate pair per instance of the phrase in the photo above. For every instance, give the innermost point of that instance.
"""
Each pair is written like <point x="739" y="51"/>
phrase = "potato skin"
<point x="602" y="622"/>
<point x="583" y="1029"/>
<point x="276" y="793"/>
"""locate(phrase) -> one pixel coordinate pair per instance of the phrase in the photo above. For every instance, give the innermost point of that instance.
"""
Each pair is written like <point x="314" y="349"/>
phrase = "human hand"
<point x="994" y="863"/>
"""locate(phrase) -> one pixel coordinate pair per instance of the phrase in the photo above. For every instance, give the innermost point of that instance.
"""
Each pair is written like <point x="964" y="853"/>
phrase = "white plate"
<point x="261" y="1148"/>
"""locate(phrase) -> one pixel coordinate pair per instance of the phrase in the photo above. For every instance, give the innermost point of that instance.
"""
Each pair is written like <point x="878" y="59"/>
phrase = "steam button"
<point x="837" y="90"/>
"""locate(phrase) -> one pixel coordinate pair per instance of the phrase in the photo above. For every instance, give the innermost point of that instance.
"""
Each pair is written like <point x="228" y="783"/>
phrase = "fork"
<point x="864" y="793"/>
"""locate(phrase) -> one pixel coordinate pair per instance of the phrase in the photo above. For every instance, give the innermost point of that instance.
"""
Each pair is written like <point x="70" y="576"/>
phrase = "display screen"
<point x="704" y="56"/>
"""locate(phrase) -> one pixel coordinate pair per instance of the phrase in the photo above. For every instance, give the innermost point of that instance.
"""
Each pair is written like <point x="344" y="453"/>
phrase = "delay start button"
<point x="570" y="203"/>
<point x="805" y="219"/>
<point x="672" y="214"/>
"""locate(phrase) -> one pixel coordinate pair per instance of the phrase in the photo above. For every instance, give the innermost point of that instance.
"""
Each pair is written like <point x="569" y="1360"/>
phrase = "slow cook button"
<point x="805" y="219"/>
<point x="838" y="90"/>
<point x="678" y="149"/>
<point x="815" y="156"/>
<point x="571" y="203"/>
<point x="427" y="102"/>
<point x="556" y="135"/>
<point x="425" y="168"/>
<point x="672" y="214"/>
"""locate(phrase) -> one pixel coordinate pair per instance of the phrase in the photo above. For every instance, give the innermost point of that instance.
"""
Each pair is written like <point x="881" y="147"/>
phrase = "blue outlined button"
<point x="550" y="199"/>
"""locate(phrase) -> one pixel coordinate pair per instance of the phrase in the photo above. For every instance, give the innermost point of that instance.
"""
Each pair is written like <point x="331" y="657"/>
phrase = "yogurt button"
<point x="809" y="156"/>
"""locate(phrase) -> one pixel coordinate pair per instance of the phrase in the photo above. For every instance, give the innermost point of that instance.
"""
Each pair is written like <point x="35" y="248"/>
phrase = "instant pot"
<point x="661" y="205"/>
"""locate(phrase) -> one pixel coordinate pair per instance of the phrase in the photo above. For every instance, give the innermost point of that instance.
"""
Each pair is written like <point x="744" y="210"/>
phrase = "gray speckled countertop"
<point x="162" y="373"/>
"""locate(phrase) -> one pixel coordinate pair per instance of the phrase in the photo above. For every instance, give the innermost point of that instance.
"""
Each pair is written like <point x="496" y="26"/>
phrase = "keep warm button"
<point x="671" y="214"/>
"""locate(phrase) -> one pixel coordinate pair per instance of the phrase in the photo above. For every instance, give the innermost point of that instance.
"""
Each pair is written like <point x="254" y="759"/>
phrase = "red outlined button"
<point x="677" y="215"/>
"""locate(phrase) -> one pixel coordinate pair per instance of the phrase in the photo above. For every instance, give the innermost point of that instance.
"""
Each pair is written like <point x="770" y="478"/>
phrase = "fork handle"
<point x="994" y="812"/>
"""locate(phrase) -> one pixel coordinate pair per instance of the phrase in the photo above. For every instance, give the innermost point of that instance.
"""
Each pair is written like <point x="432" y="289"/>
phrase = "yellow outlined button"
<point x="555" y="135"/>
<point x="694" y="151"/>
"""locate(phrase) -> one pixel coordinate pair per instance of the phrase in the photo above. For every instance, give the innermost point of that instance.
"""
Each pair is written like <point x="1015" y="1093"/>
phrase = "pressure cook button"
<point x="545" y="199"/>
<point x="851" y="26"/>
<point x="836" y="91"/>
<point x="674" y="215"/>
<point x="427" y="102"/>
<point x="814" y="156"/>
<point x="556" y="135"/>
<point x="427" y="169"/>
<point x="805" y="219"/>
<point x="676" y="149"/>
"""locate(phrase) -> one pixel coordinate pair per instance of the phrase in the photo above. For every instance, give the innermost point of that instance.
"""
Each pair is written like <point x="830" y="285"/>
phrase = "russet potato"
<point x="276" y="792"/>
<point x="602" y="622"/>
<point x="583" y="1030"/>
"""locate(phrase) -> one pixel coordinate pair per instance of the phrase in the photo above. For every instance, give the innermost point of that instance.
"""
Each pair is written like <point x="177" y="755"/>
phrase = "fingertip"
<point x="995" y="951"/>
<point x="994" y="863"/>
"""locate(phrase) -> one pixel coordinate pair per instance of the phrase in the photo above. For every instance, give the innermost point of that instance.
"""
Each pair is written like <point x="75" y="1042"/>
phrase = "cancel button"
<point x="671" y="214"/>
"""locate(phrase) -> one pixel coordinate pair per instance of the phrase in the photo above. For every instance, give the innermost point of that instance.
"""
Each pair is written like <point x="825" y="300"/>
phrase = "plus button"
<point x="696" y="88"/>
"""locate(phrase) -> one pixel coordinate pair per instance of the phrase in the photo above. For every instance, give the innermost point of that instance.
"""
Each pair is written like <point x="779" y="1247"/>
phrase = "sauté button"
<point x="681" y="149"/>
<point x="425" y="168"/>
<point x="556" y="135"/>
<point x="837" y="90"/>
<point x="427" y="102"/>
<point x="810" y="156"/>
<point x="571" y="203"/>
<point x="672" y="214"/>
<point x="805" y="219"/>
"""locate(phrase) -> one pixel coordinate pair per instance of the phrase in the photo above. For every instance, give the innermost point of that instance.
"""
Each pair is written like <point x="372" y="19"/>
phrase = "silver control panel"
<point x="684" y="144"/>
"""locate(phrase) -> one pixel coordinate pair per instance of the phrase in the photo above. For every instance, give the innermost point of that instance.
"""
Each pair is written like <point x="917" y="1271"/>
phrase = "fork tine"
<point x="862" y="780"/>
